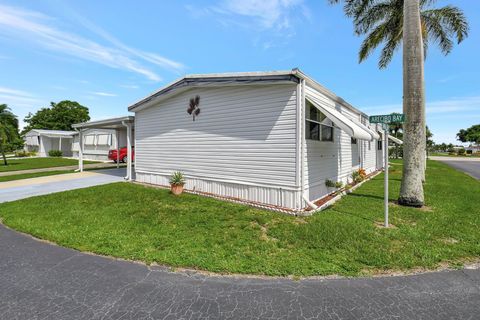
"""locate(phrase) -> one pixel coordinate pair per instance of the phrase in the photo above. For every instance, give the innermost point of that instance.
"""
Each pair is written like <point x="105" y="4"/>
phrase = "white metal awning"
<point x="340" y="120"/>
<point x="374" y="134"/>
<point x="396" y="140"/>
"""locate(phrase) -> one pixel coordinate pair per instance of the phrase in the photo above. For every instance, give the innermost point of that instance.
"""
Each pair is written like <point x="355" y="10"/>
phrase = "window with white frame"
<point x="89" y="140"/>
<point x="317" y="126"/>
<point x="104" y="139"/>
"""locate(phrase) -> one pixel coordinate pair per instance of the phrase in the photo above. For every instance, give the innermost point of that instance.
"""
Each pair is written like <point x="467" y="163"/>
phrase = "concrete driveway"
<point x="43" y="281"/>
<point x="470" y="166"/>
<point x="20" y="189"/>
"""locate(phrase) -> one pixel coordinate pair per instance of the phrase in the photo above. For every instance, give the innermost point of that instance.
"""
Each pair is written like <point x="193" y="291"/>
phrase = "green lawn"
<point x="33" y="175"/>
<point x="37" y="163"/>
<point x="148" y="224"/>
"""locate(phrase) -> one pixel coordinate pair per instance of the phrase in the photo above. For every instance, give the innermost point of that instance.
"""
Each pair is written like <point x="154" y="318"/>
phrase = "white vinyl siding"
<point x="334" y="160"/>
<point x="243" y="138"/>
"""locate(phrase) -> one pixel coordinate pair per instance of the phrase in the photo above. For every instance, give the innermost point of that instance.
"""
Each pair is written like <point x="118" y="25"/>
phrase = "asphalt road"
<point x="470" y="166"/>
<point x="43" y="281"/>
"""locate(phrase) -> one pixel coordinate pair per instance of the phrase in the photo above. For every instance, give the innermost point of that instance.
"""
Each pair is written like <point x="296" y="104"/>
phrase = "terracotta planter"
<point x="176" y="189"/>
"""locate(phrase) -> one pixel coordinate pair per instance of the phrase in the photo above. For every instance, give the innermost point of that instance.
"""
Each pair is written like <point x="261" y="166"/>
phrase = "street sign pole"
<point x="385" y="120"/>
<point x="385" y="150"/>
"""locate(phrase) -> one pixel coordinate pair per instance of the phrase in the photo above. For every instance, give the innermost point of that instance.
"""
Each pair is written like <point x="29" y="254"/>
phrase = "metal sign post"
<point x="385" y="150"/>
<point x="385" y="120"/>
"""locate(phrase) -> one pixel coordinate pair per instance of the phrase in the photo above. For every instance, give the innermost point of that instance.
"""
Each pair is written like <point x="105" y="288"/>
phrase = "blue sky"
<point x="108" y="54"/>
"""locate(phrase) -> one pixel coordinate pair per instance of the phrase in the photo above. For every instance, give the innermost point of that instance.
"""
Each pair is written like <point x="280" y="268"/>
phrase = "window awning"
<point x="374" y="134"/>
<point x="396" y="140"/>
<point x="341" y="121"/>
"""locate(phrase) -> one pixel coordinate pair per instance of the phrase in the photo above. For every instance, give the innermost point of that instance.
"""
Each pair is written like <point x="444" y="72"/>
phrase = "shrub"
<point x="461" y="152"/>
<point x="21" y="154"/>
<point x="359" y="175"/>
<point x="332" y="184"/>
<point x="177" y="179"/>
<point x="363" y="173"/>
<point x="469" y="151"/>
<point x="55" y="153"/>
<point x="329" y="183"/>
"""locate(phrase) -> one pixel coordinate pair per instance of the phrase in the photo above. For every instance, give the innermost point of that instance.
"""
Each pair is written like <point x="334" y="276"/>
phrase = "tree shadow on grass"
<point x="361" y="195"/>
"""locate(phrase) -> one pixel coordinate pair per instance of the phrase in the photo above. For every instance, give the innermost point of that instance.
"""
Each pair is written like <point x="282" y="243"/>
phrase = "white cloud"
<point x="272" y="21"/>
<point x="104" y="94"/>
<point x="147" y="56"/>
<point x="17" y="98"/>
<point x="269" y="14"/>
<point x="435" y="107"/>
<point x="36" y="27"/>
<point x="21" y="102"/>
<point x="129" y="86"/>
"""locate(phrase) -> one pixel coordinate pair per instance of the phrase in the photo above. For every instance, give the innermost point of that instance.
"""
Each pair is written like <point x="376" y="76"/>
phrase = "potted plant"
<point x="177" y="181"/>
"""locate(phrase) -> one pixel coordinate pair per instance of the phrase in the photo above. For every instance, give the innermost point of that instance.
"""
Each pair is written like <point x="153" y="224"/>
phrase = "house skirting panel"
<point x="273" y="196"/>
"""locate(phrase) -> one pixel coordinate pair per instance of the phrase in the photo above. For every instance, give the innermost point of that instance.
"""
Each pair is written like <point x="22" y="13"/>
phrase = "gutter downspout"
<point x="302" y="146"/>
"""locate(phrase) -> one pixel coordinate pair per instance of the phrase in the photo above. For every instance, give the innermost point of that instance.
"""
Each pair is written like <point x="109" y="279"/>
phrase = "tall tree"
<point x="8" y="129"/>
<point x="413" y="23"/>
<point x="60" y="116"/>
<point x="471" y="134"/>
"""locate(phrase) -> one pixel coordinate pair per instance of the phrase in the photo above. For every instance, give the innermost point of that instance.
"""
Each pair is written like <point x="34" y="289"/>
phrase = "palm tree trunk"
<point x="411" y="191"/>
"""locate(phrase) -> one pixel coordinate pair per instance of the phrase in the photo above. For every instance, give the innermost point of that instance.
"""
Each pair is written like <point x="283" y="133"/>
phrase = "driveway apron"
<point x="21" y="189"/>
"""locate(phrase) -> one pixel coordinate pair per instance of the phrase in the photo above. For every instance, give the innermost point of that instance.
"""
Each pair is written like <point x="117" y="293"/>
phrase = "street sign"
<point x="388" y="118"/>
<point x="385" y="120"/>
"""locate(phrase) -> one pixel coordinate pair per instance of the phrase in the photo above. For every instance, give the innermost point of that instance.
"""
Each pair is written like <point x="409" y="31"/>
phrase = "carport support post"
<point x="117" y="138"/>
<point x="129" y="150"/>
<point x="80" y="151"/>
<point x="385" y="151"/>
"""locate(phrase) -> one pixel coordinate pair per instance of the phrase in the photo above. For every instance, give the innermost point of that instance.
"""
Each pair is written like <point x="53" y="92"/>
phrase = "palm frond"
<point x="389" y="49"/>
<point x="451" y="19"/>
<point x="377" y="13"/>
<point x="380" y="34"/>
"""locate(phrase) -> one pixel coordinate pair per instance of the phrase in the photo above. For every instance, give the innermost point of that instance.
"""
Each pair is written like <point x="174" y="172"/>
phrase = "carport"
<point x="118" y="124"/>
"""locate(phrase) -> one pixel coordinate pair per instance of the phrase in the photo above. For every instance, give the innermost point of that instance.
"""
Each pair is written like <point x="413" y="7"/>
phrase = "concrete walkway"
<point x="25" y="188"/>
<point x="43" y="281"/>
<point x="470" y="166"/>
<point x="86" y="166"/>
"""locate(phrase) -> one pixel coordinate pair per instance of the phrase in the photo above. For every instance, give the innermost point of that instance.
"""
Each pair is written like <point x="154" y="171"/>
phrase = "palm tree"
<point x="413" y="23"/>
<point x="8" y="129"/>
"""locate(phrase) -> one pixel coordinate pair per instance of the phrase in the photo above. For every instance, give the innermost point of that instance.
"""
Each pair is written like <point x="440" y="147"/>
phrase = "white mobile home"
<point x="42" y="141"/>
<point x="267" y="137"/>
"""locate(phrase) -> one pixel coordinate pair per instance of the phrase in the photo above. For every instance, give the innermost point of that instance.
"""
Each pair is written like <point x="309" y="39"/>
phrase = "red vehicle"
<point x="112" y="155"/>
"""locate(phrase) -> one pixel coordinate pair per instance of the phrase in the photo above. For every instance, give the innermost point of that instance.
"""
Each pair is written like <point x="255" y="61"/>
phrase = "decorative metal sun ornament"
<point x="193" y="107"/>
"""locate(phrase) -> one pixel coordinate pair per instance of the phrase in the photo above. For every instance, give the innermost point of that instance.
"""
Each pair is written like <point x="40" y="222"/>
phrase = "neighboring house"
<point x="266" y="137"/>
<point x="97" y="143"/>
<point x="42" y="141"/>
<point x="473" y="148"/>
